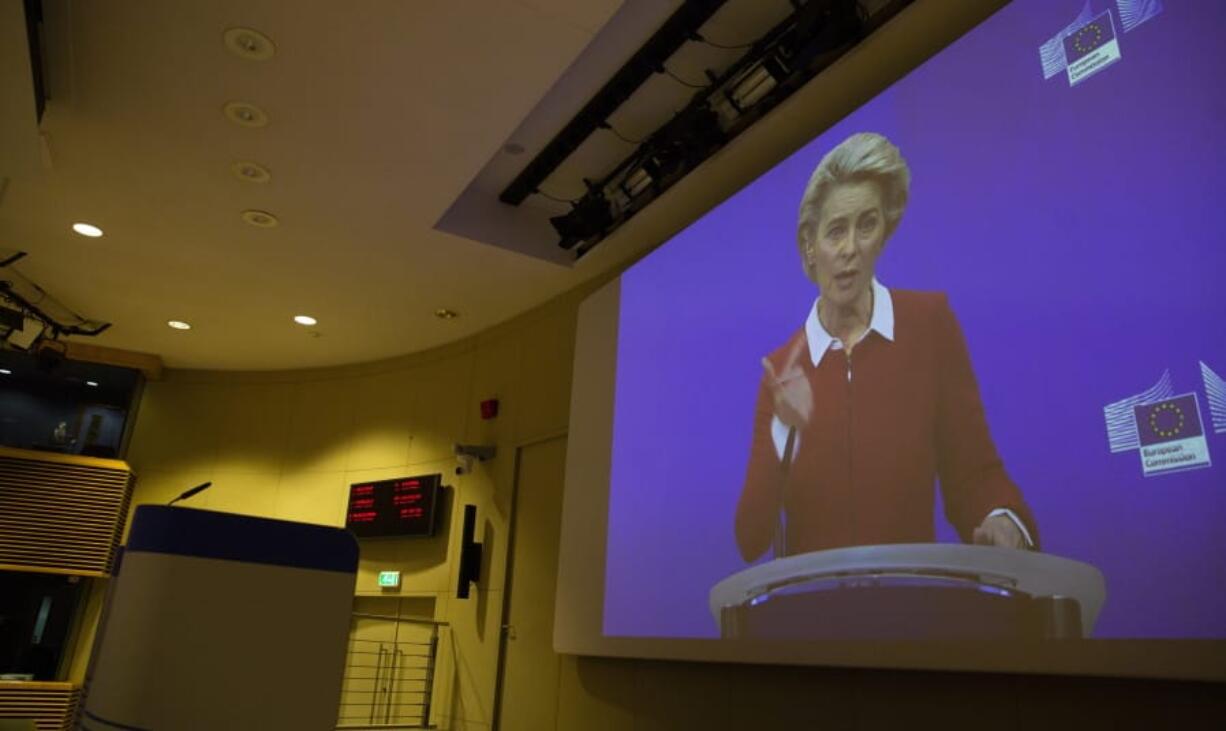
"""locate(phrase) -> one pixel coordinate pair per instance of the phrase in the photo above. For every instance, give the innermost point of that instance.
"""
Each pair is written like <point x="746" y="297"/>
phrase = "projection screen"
<point x="943" y="389"/>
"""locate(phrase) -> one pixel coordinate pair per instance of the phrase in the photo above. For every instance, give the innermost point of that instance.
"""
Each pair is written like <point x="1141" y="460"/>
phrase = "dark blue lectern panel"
<point x="208" y="534"/>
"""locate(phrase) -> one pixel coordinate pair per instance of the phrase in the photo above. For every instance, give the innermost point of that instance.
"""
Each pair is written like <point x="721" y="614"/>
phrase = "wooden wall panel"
<point x="52" y="706"/>
<point x="61" y="513"/>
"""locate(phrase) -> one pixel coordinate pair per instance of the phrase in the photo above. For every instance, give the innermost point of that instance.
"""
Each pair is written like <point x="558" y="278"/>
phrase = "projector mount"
<point x="29" y="314"/>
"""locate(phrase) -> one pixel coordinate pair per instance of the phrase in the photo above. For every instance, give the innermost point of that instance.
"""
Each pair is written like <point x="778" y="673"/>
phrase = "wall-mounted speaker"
<point x="470" y="554"/>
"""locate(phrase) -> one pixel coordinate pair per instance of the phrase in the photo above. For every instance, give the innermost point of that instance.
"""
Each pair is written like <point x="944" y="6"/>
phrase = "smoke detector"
<point x="250" y="172"/>
<point x="249" y="44"/>
<point x="245" y="114"/>
<point x="260" y="219"/>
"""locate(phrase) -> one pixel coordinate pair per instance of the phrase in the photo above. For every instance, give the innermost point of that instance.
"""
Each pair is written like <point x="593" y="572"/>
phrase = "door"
<point x="527" y="692"/>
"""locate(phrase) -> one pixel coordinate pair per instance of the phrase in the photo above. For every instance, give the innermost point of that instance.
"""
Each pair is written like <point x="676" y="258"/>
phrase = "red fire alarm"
<point x="489" y="408"/>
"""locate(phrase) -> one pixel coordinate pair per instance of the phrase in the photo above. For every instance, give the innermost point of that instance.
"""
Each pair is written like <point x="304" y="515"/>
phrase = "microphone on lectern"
<point x="198" y="488"/>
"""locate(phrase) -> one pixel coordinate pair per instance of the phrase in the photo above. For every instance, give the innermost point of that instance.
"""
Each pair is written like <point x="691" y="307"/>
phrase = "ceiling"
<point x="381" y="114"/>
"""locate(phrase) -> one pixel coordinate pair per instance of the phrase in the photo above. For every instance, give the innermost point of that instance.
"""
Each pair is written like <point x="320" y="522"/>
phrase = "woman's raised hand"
<point x="790" y="388"/>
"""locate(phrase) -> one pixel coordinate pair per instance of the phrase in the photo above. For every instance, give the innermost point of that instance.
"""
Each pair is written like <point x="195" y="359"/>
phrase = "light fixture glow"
<point x="305" y="320"/>
<point x="92" y="384"/>
<point x="5" y="372"/>
<point x="445" y="314"/>
<point x="87" y="229"/>
<point x="179" y="325"/>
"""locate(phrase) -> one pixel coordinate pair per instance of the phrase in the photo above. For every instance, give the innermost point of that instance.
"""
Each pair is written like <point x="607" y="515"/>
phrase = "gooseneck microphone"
<point x="198" y="488"/>
<point x="780" y="542"/>
<point x="781" y="526"/>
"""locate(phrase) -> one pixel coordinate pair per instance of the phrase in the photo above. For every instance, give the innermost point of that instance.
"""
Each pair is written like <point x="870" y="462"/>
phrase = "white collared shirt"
<point x="820" y="341"/>
<point x="881" y="321"/>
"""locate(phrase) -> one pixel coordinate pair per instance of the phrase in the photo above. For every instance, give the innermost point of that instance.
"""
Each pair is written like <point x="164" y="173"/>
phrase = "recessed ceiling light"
<point x="305" y="320"/>
<point x="250" y="172"/>
<point x="179" y="325"/>
<point x="443" y="313"/>
<point x="260" y="219"/>
<point x="87" y="229"/>
<point x="5" y="372"/>
<point x="92" y="384"/>
<point x="249" y="44"/>
<point x="245" y="114"/>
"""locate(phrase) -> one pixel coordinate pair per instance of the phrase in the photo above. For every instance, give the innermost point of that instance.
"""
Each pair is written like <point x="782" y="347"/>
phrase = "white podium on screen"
<point x="911" y="591"/>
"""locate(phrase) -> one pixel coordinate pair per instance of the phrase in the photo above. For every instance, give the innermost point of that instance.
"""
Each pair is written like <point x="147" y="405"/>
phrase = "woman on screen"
<point x="873" y="399"/>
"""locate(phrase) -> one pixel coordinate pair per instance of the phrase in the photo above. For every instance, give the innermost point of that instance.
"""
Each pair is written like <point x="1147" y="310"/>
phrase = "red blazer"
<point x="864" y="469"/>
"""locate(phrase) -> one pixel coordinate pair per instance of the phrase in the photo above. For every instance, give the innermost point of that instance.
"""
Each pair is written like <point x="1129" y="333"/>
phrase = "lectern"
<point x="911" y="591"/>
<point x="223" y="621"/>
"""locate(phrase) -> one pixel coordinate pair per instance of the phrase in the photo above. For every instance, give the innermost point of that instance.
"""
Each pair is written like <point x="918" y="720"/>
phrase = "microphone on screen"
<point x="198" y="488"/>
<point x="780" y="543"/>
<point x="791" y="371"/>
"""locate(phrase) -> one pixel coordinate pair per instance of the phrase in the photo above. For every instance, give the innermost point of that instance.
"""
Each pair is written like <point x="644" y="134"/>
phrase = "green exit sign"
<point x="389" y="578"/>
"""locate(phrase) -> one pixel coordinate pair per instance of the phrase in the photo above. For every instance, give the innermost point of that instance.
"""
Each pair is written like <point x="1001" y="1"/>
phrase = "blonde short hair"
<point x="863" y="156"/>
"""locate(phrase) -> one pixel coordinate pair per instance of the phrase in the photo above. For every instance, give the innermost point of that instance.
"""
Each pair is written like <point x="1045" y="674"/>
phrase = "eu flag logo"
<point x="1091" y="48"/>
<point x="1165" y="421"/>
<point x="1092" y="35"/>
<point x="1171" y="435"/>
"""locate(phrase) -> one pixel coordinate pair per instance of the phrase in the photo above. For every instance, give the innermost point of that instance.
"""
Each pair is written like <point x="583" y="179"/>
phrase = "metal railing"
<point x="389" y="673"/>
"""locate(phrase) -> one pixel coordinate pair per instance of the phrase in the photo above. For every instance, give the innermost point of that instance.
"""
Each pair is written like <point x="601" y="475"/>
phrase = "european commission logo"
<point x="1090" y="49"/>
<point x="1090" y="43"/>
<point x="1170" y="435"/>
<point x="1166" y="429"/>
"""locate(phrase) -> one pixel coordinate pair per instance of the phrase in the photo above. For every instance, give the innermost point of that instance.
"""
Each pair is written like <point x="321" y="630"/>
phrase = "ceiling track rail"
<point x="679" y="29"/>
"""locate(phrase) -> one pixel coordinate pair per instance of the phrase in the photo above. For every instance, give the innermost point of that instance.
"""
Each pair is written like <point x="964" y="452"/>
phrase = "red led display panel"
<point x="404" y="506"/>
